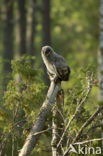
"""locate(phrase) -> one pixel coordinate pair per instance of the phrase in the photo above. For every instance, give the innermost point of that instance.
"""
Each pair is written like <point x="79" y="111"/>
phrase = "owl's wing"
<point x="61" y="68"/>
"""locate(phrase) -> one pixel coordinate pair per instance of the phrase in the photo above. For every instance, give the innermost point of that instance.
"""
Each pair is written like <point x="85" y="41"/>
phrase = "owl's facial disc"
<point x="46" y="50"/>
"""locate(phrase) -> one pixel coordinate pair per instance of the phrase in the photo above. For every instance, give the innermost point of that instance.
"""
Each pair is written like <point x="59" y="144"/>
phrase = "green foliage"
<point x="24" y="68"/>
<point x="22" y="99"/>
<point x="76" y="91"/>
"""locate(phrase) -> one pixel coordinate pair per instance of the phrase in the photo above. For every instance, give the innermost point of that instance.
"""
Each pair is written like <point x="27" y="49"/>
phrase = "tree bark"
<point x="57" y="123"/>
<point x="21" y="27"/>
<point x="46" y="36"/>
<point x="8" y="38"/>
<point x="46" y="22"/>
<point x="40" y="120"/>
<point x="31" y="28"/>
<point x="101" y="55"/>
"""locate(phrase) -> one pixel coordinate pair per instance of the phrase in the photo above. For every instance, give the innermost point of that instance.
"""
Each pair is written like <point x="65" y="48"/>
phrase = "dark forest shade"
<point x="7" y="53"/>
<point x="46" y="36"/>
<point x="22" y="26"/>
<point x="31" y="28"/>
<point x="46" y="22"/>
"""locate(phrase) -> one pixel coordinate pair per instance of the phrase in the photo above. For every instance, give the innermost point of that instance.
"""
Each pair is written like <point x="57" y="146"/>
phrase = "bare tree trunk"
<point x="40" y="120"/>
<point x="21" y="37"/>
<point x="21" y="31"/>
<point x="46" y="36"/>
<point x="46" y="22"/>
<point x="8" y="38"/>
<point x="101" y="54"/>
<point x="21" y="26"/>
<point x="57" y="123"/>
<point x="31" y="28"/>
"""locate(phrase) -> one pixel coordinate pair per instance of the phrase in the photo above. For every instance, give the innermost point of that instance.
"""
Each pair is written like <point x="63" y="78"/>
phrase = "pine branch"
<point x="92" y="117"/>
<point x="87" y="141"/>
<point x="80" y="103"/>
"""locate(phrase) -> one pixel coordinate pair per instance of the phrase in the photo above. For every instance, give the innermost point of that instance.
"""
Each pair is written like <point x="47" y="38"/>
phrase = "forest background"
<point x="72" y="29"/>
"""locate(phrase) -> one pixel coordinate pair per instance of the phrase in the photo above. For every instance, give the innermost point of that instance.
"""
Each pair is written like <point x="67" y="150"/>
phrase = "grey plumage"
<point x="55" y="64"/>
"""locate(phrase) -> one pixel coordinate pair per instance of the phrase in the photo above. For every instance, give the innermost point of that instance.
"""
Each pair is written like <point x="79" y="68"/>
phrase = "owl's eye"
<point x="47" y="52"/>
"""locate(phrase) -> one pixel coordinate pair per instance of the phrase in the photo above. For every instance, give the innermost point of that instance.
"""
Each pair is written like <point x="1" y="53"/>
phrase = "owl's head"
<point x="47" y="51"/>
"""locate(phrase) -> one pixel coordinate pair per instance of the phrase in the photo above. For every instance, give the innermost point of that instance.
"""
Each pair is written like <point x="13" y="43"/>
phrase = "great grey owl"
<point x="55" y="64"/>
